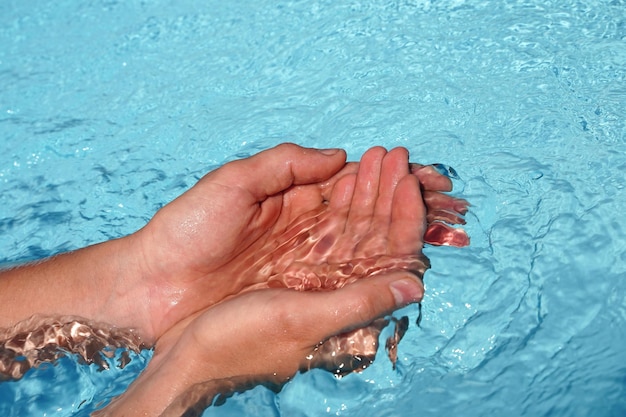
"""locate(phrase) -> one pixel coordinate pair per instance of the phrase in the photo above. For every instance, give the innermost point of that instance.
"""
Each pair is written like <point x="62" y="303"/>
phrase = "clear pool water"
<point x="109" y="109"/>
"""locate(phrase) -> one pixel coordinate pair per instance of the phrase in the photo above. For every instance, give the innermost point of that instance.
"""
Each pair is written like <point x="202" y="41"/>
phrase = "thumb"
<point x="360" y="303"/>
<point x="276" y="169"/>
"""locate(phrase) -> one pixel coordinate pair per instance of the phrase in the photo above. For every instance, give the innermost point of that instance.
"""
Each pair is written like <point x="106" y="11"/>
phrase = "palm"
<point x="221" y="237"/>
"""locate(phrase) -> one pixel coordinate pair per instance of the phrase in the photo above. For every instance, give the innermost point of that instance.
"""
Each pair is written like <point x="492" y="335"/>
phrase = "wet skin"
<point x="371" y="217"/>
<point x="288" y="217"/>
<point x="193" y="243"/>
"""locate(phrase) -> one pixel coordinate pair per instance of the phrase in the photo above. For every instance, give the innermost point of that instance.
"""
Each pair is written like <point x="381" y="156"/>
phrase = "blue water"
<point x="110" y="109"/>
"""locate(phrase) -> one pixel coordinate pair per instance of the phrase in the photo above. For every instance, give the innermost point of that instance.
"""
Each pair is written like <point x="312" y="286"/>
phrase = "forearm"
<point x="177" y="385"/>
<point x="99" y="283"/>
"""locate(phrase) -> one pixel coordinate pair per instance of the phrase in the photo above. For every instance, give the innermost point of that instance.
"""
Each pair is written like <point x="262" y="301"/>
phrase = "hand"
<point x="228" y="232"/>
<point x="262" y="336"/>
<point x="198" y="249"/>
<point x="151" y="279"/>
<point x="195" y="248"/>
<point x="372" y="225"/>
<point x="374" y="221"/>
<point x="442" y="209"/>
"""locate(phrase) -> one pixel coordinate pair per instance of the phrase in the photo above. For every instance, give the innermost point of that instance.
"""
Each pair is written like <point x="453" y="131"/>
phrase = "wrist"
<point x="168" y="376"/>
<point x="129" y="298"/>
<point x="99" y="283"/>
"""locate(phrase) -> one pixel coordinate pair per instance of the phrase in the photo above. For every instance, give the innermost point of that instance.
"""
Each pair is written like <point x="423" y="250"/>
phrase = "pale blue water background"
<point x="110" y="109"/>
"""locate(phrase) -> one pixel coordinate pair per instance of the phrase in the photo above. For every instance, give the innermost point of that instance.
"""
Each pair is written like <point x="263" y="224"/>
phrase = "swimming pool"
<point x="110" y="109"/>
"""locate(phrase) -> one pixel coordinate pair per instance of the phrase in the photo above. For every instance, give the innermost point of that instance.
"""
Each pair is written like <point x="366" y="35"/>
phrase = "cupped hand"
<point x="373" y="222"/>
<point x="193" y="246"/>
<point x="263" y="336"/>
<point x="364" y="223"/>
<point x="228" y="232"/>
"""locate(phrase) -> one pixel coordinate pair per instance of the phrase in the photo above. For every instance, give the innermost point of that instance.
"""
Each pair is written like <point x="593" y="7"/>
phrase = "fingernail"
<point x="406" y="291"/>
<point x="329" y="152"/>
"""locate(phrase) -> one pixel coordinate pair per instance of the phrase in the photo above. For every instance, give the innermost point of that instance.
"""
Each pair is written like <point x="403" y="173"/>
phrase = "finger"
<point x="430" y="178"/>
<point x="436" y="201"/>
<point x="333" y="225"/>
<point x="342" y="193"/>
<point x="395" y="166"/>
<point x="358" y="304"/>
<point x="275" y="170"/>
<point x="440" y="234"/>
<point x="444" y="216"/>
<point x="365" y="192"/>
<point x="326" y="188"/>
<point x="408" y="220"/>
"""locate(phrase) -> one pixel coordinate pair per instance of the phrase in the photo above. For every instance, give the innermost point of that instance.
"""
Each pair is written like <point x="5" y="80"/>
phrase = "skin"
<point x="182" y="261"/>
<point x="378" y="211"/>
<point x="174" y="266"/>
<point x="195" y="265"/>
<point x="280" y="327"/>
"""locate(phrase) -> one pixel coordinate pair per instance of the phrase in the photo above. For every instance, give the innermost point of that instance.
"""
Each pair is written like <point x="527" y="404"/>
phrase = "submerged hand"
<point x="230" y="232"/>
<point x="259" y="337"/>
<point x="282" y="214"/>
<point x="352" y="227"/>
<point x="281" y="217"/>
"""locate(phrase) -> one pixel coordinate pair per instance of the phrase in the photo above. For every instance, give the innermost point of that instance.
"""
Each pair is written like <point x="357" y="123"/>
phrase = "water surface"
<point x="108" y="110"/>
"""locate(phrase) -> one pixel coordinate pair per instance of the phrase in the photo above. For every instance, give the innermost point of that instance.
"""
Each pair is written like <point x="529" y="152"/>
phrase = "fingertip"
<point x="430" y="178"/>
<point x="401" y="151"/>
<point x="367" y="185"/>
<point x="373" y="156"/>
<point x="331" y="151"/>
<point x="406" y="290"/>
<point x="342" y="193"/>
